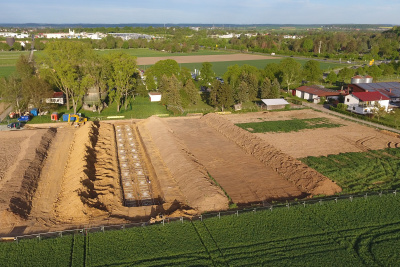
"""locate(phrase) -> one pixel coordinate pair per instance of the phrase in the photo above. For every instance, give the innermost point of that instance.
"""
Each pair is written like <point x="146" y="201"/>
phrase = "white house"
<point x="313" y="93"/>
<point x="155" y="96"/>
<point x="365" y="102"/>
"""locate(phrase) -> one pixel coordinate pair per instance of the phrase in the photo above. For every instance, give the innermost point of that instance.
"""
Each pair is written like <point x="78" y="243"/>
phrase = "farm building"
<point x="155" y="96"/>
<point x="365" y="102"/>
<point x="314" y="93"/>
<point x="276" y="103"/>
<point x="388" y="89"/>
<point x="58" y="98"/>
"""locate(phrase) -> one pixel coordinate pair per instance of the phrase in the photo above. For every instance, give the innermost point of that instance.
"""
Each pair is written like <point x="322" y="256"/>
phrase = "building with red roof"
<point x="365" y="102"/>
<point x="314" y="93"/>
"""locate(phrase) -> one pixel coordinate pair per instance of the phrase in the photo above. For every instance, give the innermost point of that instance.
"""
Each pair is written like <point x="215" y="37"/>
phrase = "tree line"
<point x="355" y="45"/>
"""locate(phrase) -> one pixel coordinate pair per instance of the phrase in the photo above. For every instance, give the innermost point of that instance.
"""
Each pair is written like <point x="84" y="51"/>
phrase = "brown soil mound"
<point x="90" y="184"/>
<point x="191" y="177"/>
<point x="306" y="179"/>
<point x="21" y="202"/>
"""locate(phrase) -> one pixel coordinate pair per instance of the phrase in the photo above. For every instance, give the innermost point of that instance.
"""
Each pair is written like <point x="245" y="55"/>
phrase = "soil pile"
<point x="191" y="177"/>
<point x="90" y="185"/>
<point x="305" y="178"/>
<point x="21" y="202"/>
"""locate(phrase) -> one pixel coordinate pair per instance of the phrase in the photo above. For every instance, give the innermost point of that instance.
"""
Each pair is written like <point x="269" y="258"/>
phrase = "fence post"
<point x="219" y="215"/>
<point x="163" y="222"/>
<point x="351" y="198"/>
<point x="320" y="202"/>
<point x="395" y="192"/>
<point x="254" y="210"/>
<point x="288" y="205"/>
<point x="237" y="213"/>
<point x="380" y="194"/>
<point x="336" y="199"/>
<point x="201" y="217"/>
<point x="102" y="228"/>
<point x="270" y="208"/>
<point x="366" y="195"/>
<point x="181" y="219"/>
<point x="304" y="204"/>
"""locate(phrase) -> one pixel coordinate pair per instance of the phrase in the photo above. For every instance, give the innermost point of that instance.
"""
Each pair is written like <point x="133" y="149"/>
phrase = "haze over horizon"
<point x="201" y="12"/>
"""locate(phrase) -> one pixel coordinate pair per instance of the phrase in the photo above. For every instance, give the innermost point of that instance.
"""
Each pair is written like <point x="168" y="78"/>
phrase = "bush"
<point x="341" y="106"/>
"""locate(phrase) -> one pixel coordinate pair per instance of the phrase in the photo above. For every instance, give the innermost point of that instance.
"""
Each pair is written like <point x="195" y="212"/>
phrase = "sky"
<point x="201" y="11"/>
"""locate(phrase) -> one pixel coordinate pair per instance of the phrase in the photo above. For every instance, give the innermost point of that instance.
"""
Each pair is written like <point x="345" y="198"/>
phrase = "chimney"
<point x="390" y="90"/>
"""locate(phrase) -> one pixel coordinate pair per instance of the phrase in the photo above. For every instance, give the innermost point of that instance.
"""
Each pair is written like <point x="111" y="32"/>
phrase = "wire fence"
<point x="236" y="212"/>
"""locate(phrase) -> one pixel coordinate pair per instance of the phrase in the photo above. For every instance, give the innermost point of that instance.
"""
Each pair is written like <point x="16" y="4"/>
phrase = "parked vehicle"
<point x="14" y="125"/>
<point x="25" y="118"/>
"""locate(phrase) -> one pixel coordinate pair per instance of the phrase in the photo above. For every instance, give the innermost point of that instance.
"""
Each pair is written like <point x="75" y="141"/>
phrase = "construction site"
<point x="114" y="172"/>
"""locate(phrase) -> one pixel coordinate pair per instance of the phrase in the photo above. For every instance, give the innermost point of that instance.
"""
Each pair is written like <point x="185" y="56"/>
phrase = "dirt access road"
<point x="205" y="58"/>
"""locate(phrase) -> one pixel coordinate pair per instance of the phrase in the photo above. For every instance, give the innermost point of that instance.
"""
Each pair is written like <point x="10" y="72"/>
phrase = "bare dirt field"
<point x="205" y="58"/>
<point x="66" y="177"/>
<point x="243" y="177"/>
<point x="351" y="137"/>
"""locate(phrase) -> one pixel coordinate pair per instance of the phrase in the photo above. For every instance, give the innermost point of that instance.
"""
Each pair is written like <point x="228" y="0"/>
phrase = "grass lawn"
<point x="287" y="125"/>
<point x="141" y="108"/>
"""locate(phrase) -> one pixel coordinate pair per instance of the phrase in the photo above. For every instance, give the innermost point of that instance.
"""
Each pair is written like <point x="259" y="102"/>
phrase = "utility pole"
<point x="319" y="48"/>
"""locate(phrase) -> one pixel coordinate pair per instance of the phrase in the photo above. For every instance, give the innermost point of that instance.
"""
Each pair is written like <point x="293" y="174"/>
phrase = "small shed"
<point x="155" y="96"/>
<point x="275" y="103"/>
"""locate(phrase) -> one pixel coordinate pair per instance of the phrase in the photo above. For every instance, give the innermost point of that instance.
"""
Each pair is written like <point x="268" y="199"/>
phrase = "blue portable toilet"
<point x="34" y="112"/>
<point x="66" y="116"/>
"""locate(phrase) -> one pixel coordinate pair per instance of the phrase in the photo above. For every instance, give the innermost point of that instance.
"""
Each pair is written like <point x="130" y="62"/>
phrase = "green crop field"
<point x="6" y="71"/>
<point x="360" y="171"/>
<point x="287" y="125"/>
<point x="362" y="231"/>
<point x="221" y="67"/>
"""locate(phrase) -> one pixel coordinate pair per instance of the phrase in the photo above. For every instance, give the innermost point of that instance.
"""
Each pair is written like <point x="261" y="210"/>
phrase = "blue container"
<point x="65" y="117"/>
<point x="34" y="112"/>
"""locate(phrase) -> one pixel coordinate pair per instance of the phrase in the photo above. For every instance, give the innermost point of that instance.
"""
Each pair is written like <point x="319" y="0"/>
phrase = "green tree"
<point x="192" y="92"/>
<point x="122" y="78"/>
<point x="290" y="72"/>
<point x="275" y="89"/>
<point x="241" y="93"/>
<point x="64" y="65"/>
<point x="221" y="95"/>
<point x="375" y="72"/>
<point x="272" y="71"/>
<point x="345" y="74"/>
<point x="312" y="71"/>
<point x="379" y="111"/>
<point x="17" y="46"/>
<point x="35" y="91"/>
<point x="231" y="76"/>
<point x="307" y="45"/>
<point x="207" y="75"/>
<point x="265" y="88"/>
<point x="12" y="92"/>
<point x="167" y="67"/>
<point x="331" y="78"/>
